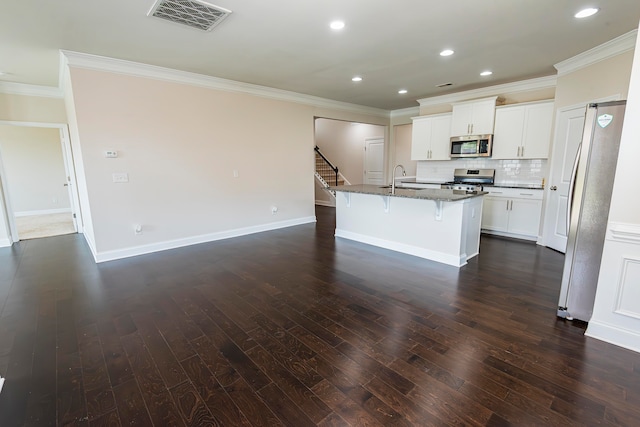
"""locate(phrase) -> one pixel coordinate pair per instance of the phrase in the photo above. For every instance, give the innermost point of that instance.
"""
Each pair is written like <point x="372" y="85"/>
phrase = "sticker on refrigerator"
<point x="604" y="120"/>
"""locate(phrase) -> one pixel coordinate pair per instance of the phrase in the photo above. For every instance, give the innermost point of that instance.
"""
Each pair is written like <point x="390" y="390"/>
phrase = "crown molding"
<point x="120" y="66"/>
<point x="12" y="88"/>
<point x="624" y="43"/>
<point x="405" y="112"/>
<point x="514" y="87"/>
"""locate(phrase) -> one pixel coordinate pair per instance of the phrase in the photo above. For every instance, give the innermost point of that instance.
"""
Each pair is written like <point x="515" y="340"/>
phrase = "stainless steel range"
<point x="470" y="179"/>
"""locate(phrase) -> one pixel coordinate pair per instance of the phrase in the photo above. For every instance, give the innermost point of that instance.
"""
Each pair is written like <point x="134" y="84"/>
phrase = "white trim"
<point x="5" y="243"/>
<point x="624" y="43"/>
<point x="325" y="203"/>
<point x="1" y="383"/>
<point x="12" y="88"/>
<point x="92" y="246"/>
<point x="405" y="112"/>
<point x="194" y="240"/>
<point x="511" y="235"/>
<point x="520" y="86"/>
<point x="614" y="335"/>
<point x="42" y="212"/>
<point x="626" y="233"/>
<point x="120" y="66"/>
<point x="404" y="248"/>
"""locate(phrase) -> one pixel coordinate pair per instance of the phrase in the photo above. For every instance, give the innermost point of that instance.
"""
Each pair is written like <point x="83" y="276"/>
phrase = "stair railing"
<point x="327" y="165"/>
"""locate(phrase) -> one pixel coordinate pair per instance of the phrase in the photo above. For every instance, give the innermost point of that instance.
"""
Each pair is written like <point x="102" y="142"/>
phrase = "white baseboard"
<point x="614" y="335"/>
<point x="512" y="235"/>
<point x="188" y="241"/>
<point x="325" y="203"/>
<point x="42" y="212"/>
<point x="405" y="249"/>
<point x="5" y="243"/>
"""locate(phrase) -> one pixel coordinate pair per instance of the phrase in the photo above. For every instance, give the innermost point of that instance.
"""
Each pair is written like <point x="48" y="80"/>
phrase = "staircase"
<point x="327" y="174"/>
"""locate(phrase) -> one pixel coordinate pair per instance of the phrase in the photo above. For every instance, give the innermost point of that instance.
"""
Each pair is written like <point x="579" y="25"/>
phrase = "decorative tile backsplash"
<point x="508" y="172"/>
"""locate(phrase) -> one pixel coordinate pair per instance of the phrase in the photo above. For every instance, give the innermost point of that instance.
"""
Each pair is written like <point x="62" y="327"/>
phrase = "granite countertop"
<point x="419" y="181"/>
<point x="425" y="194"/>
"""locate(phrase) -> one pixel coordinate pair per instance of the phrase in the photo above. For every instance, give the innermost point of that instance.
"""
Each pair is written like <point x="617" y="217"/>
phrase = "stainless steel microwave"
<point x="471" y="146"/>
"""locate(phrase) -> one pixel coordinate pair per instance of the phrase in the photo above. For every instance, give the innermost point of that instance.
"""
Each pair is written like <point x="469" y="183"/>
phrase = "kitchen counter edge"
<point x="424" y="194"/>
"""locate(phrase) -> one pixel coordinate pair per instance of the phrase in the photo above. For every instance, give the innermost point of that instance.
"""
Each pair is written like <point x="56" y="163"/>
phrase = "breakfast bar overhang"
<point x="435" y="224"/>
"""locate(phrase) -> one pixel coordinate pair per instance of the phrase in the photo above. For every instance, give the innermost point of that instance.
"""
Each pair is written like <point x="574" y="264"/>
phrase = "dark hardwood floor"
<point x="293" y="327"/>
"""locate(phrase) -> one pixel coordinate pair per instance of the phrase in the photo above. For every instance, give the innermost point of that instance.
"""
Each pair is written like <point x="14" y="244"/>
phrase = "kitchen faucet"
<point x="393" y="178"/>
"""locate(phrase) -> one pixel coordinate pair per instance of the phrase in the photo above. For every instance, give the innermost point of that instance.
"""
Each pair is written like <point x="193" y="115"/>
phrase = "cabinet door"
<point x="524" y="217"/>
<point x="421" y="139"/>
<point x="440" y="138"/>
<point x="507" y="136"/>
<point x="537" y="131"/>
<point x="462" y="118"/>
<point x="495" y="213"/>
<point x="484" y="113"/>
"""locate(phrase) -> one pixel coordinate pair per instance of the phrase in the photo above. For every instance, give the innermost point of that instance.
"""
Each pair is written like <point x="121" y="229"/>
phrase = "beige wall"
<point x="402" y="147"/>
<point x="343" y="144"/>
<point x="600" y="80"/>
<point x="180" y="146"/>
<point x="36" y="109"/>
<point x="34" y="168"/>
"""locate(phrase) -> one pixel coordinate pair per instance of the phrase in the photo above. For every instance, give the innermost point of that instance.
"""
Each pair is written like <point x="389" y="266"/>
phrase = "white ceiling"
<point x="287" y="44"/>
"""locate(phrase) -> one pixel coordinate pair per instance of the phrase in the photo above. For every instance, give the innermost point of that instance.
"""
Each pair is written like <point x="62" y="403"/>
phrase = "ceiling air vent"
<point x="193" y="13"/>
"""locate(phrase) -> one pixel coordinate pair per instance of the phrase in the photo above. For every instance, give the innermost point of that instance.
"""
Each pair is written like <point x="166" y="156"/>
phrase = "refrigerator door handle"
<point x="572" y="184"/>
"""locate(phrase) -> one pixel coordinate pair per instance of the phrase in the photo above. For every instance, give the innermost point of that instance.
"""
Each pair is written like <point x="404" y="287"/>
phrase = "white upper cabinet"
<point x="523" y="131"/>
<point x="473" y="117"/>
<point x="430" y="137"/>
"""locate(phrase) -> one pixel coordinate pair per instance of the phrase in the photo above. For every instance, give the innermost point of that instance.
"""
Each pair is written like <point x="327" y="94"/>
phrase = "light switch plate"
<point x="111" y="154"/>
<point x="120" y="177"/>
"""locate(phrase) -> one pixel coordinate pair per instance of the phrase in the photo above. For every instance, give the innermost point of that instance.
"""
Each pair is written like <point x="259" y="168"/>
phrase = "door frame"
<point x="70" y="172"/>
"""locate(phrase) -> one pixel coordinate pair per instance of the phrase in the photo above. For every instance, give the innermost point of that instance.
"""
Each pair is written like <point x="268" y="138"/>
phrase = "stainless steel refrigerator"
<point x="588" y="208"/>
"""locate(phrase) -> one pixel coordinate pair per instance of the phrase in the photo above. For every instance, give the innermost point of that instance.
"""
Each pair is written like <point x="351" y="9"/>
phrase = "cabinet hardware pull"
<point x="523" y="151"/>
<point x="507" y="205"/>
<point x="526" y="194"/>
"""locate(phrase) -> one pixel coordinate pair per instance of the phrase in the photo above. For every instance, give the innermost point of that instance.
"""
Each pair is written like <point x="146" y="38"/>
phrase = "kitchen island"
<point x="436" y="224"/>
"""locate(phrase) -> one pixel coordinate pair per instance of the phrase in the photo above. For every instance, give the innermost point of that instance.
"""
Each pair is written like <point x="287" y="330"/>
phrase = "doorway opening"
<point x="38" y="182"/>
<point x="358" y="150"/>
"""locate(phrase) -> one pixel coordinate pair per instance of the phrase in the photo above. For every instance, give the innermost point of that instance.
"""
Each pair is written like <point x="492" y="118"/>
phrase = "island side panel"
<point x="472" y="225"/>
<point x="410" y="225"/>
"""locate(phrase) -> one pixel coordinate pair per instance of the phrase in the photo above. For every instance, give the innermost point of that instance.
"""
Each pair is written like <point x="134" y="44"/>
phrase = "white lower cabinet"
<point x="512" y="212"/>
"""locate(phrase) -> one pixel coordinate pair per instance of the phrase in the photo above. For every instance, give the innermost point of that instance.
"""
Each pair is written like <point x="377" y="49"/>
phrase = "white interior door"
<point x="374" y="161"/>
<point x="569" y="126"/>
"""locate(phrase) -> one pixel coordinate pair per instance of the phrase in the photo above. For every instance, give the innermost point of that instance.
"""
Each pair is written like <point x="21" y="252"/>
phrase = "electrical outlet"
<point x="137" y="229"/>
<point x="120" y="177"/>
<point x="235" y="173"/>
<point x="274" y="210"/>
<point x="111" y="154"/>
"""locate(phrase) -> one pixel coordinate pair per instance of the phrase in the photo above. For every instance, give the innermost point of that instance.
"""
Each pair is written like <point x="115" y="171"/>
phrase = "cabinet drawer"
<point x="514" y="193"/>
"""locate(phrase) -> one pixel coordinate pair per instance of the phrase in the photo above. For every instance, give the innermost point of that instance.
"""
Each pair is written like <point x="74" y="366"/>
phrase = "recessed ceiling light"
<point x="402" y="91"/>
<point x="337" y="25"/>
<point x="584" y="13"/>
<point x="486" y="73"/>
<point x="446" y="52"/>
<point x="356" y="79"/>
